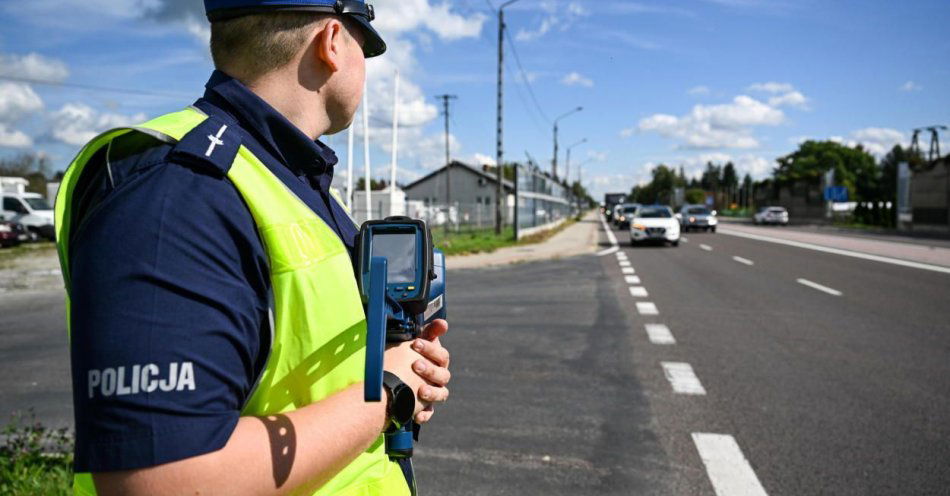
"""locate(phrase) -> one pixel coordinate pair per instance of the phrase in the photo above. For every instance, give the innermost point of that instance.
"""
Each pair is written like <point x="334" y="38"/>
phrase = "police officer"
<point x="216" y="332"/>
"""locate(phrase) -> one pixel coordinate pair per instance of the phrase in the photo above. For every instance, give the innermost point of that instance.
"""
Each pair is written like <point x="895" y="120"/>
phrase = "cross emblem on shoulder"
<point x="216" y="140"/>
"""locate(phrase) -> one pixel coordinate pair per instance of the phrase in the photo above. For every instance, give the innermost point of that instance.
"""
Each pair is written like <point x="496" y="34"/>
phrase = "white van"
<point x="31" y="210"/>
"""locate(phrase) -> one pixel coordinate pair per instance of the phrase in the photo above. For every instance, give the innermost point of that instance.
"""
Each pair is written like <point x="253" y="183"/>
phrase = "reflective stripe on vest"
<point x="319" y="326"/>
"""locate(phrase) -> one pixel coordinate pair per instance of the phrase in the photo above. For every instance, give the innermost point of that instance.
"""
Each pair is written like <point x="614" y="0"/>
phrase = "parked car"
<point x="772" y="215"/>
<point x="11" y="233"/>
<point x="654" y="223"/>
<point x="626" y="213"/>
<point x="31" y="210"/>
<point x="697" y="217"/>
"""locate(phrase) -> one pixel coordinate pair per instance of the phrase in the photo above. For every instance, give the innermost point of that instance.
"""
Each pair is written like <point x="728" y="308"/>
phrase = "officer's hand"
<point x="434" y="368"/>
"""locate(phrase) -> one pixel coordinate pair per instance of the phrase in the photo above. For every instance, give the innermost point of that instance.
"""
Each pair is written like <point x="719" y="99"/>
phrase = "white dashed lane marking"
<point x="819" y="287"/>
<point x="684" y="239"/>
<point x="610" y="237"/>
<point x="621" y="255"/>
<point x="647" y="308"/>
<point x="638" y="292"/>
<point x="628" y="270"/>
<point x="728" y="469"/>
<point x="682" y="378"/>
<point x="632" y="279"/>
<point x="660" y="334"/>
<point x="743" y="260"/>
<point x="705" y="247"/>
<point x="624" y="263"/>
<point x="837" y="251"/>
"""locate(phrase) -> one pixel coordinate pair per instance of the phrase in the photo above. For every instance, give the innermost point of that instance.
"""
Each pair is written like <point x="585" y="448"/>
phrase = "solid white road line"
<point x="819" y="287"/>
<point x="647" y="308"/>
<point x="632" y="279"/>
<point x="624" y="263"/>
<point x="660" y="334"/>
<point x="682" y="378"/>
<point x="610" y="237"/>
<point x="838" y="251"/>
<point x="743" y="260"/>
<point x="728" y="469"/>
<point x="628" y="270"/>
<point x="638" y="292"/>
<point x="705" y="247"/>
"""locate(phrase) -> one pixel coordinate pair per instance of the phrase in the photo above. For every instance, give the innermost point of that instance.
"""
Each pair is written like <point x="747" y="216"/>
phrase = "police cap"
<point x="357" y="10"/>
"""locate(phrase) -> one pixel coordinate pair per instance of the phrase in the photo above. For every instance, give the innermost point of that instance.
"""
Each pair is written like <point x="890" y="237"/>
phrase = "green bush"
<point x="34" y="459"/>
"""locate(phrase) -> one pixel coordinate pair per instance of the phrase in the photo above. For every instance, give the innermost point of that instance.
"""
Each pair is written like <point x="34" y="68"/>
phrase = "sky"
<point x="673" y="82"/>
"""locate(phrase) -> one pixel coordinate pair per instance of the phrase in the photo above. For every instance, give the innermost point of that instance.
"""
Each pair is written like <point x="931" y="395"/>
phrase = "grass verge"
<point x="486" y="241"/>
<point x="34" y="459"/>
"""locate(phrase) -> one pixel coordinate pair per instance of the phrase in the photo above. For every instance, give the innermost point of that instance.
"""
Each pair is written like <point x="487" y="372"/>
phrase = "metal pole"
<point x="392" y="172"/>
<point x="499" y="152"/>
<point x="499" y="145"/>
<point x="554" y="160"/>
<point x="366" y="165"/>
<point x="448" y="161"/>
<point x="349" y="169"/>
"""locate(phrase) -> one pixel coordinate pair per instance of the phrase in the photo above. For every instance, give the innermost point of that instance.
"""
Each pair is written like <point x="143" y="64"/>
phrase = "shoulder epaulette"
<point x="214" y="142"/>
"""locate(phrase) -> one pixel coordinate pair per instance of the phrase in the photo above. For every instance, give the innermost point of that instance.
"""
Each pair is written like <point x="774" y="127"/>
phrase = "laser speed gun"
<point x="401" y="278"/>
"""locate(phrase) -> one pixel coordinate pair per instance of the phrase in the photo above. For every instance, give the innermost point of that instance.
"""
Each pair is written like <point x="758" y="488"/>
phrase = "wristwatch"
<point x="401" y="401"/>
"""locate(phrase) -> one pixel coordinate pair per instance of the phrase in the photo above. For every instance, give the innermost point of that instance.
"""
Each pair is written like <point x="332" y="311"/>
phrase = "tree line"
<point x="871" y="183"/>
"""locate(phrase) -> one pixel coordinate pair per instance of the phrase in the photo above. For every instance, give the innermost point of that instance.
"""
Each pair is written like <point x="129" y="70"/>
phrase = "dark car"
<point x="12" y="233"/>
<point x="626" y="213"/>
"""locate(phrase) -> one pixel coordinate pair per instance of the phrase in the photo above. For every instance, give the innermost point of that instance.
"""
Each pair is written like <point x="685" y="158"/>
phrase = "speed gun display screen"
<point x="400" y="251"/>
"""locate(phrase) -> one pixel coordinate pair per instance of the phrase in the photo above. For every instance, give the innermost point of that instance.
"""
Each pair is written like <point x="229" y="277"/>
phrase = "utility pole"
<point x="554" y="160"/>
<point x="567" y="168"/>
<point x="499" y="148"/>
<point x="448" y="161"/>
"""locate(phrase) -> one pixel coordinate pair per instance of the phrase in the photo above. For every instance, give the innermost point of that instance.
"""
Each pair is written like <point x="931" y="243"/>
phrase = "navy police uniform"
<point x="192" y="273"/>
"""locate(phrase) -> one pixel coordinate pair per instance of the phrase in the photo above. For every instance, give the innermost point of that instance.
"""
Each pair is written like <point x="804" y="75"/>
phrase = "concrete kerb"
<point x="578" y="239"/>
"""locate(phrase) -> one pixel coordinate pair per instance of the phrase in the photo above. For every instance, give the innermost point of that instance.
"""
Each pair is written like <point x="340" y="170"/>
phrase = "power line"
<point x="524" y="77"/>
<point x="529" y="109"/>
<point x="49" y="82"/>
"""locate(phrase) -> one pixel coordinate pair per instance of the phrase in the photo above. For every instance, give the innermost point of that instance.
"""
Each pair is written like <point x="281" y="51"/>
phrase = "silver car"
<point x="772" y="215"/>
<point x="697" y="217"/>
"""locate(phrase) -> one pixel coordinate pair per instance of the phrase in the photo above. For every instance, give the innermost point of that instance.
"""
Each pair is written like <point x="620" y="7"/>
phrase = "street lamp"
<point x="554" y="161"/>
<point x="567" y="166"/>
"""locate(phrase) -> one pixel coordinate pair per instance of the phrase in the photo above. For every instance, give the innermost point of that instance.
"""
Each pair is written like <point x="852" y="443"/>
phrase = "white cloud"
<point x="876" y="140"/>
<point x="772" y="87"/>
<point x="17" y="100"/>
<point x="410" y="15"/>
<point x="11" y="138"/>
<point x="33" y="66"/>
<point x="785" y="94"/>
<point x="698" y="91"/>
<point x="714" y="126"/>
<point x="557" y="17"/>
<point x="479" y="159"/>
<point x="597" y="156"/>
<point x="791" y="99"/>
<point x="577" y="79"/>
<point x="911" y="86"/>
<point x="77" y="123"/>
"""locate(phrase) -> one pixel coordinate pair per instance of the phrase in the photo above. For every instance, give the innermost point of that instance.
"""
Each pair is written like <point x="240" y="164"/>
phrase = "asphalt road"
<point x="820" y="393"/>
<point x="558" y="389"/>
<point x="34" y="358"/>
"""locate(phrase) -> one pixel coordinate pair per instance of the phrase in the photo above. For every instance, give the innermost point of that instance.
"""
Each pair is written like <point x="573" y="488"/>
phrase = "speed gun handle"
<point x="375" y="330"/>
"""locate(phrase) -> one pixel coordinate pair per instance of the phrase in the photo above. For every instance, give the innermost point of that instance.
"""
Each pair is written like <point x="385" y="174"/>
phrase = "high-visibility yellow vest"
<point x="319" y="342"/>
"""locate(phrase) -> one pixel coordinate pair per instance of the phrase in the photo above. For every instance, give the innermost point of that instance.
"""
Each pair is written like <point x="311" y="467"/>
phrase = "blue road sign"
<point x="836" y="194"/>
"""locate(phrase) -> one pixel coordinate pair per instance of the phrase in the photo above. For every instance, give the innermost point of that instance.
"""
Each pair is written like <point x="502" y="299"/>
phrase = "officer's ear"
<point x="330" y="43"/>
